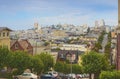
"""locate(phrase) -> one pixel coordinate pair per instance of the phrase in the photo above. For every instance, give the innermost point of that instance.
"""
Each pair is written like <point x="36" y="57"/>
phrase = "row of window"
<point x="4" y="34"/>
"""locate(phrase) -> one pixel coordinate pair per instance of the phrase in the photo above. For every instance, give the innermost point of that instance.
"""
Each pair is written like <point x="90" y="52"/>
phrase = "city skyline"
<point x="23" y="13"/>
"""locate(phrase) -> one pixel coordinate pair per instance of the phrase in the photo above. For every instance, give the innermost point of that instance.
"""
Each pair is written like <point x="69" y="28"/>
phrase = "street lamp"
<point x="71" y="60"/>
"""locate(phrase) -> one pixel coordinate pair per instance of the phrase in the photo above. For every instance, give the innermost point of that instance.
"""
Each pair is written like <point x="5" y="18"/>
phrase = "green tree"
<point x="47" y="60"/>
<point x="108" y="50"/>
<point x="46" y="43"/>
<point x="60" y="66"/>
<point x="97" y="47"/>
<point x="66" y="68"/>
<point x="76" y="69"/>
<point x="110" y="75"/>
<point x="3" y="56"/>
<point x="94" y="63"/>
<point x="36" y="65"/>
<point x="19" y="61"/>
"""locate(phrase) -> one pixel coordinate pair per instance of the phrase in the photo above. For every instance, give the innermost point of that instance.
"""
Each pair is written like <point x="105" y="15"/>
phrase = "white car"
<point x="26" y="76"/>
<point x="53" y="73"/>
<point x="72" y="75"/>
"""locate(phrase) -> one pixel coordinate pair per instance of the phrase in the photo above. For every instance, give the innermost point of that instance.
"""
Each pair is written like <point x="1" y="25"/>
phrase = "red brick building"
<point x="118" y="40"/>
<point x="22" y="45"/>
<point x="118" y="53"/>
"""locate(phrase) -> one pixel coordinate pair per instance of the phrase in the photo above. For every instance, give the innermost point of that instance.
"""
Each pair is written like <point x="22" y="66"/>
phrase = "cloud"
<point x="23" y="13"/>
<point x="79" y="18"/>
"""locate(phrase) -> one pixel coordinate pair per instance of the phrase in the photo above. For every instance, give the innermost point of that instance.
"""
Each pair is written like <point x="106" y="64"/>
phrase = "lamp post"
<point x="71" y="63"/>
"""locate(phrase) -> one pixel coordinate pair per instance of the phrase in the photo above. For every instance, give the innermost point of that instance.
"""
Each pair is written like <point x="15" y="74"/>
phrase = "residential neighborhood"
<point x="64" y="39"/>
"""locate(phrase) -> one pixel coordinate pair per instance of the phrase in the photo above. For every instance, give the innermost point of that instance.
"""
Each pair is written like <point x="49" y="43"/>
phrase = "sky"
<point x="22" y="14"/>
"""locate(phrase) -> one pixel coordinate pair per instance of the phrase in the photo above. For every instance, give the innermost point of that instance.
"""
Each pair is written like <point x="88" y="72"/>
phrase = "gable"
<point x="16" y="46"/>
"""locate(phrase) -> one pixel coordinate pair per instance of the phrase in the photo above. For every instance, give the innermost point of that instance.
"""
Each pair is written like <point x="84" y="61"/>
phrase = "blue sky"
<point x="21" y="14"/>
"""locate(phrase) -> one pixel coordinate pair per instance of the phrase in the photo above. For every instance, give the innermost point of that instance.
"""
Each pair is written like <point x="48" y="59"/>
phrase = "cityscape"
<point x="61" y="39"/>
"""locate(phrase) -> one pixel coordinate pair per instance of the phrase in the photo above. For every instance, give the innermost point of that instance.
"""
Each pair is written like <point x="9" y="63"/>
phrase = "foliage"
<point x="36" y="65"/>
<point x="108" y="50"/>
<point x="110" y="75"/>
<point x="100" y="39"/>
<point x="63" y="67"/>
<point x="19" y="60"/>
<point x="97" y="47"/>
<point x="93" y="62"/>
<point x="47" y="60"/>
<point x="76" y="69"/>
<point x="3" y="56"/>
<point x="59" y="66"/>
<point x="46" y="43"/>
<point x="108" y="47"/>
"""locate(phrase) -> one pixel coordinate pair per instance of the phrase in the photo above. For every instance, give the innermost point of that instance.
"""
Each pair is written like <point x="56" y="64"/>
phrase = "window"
<point x="7" y="33"/>
<point x="16" y="46"/>
<point x="61" y="56"/>
<point x="3" y="34"/>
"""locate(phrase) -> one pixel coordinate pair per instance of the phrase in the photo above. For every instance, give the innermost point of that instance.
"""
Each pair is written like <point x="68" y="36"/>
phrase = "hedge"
<point x="110" y="75"/>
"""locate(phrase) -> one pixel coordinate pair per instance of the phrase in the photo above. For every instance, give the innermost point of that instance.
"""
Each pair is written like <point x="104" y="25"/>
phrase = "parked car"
<point x="46" y="76"/>
<point x="53" y="73"/>
<point x="79" y="76"/>
<point x="72" y="75"/>
<point x="26" y="76"/>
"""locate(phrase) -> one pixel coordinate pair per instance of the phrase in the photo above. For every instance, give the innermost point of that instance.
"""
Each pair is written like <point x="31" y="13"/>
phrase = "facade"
<point x="118" y="40"/>
<point x="71" y="55"/>
<point x="4" y="37"/>
<point x="119" y="12"/>
<point x="74" y="47"/>
<point x="22" y="45"/>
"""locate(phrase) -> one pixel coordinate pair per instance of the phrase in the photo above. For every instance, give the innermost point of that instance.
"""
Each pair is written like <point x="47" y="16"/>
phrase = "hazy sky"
<point x="21" y="14"/>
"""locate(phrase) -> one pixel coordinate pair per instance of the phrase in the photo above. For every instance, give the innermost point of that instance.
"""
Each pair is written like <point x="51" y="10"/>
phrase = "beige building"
<point x="74" y="47"/>
<point x="5" y="37"/>
<point x="59" y="33"/>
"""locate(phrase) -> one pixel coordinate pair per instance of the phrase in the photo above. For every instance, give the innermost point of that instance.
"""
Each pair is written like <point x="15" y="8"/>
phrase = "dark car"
<point x="47" y="76"/>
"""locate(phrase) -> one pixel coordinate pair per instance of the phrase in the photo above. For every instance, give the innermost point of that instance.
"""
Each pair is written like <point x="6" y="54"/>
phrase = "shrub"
<point x="110" y="75"/>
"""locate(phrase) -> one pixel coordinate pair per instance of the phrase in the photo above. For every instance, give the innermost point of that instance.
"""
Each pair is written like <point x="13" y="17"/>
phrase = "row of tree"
<point x="17" y="62"/>
<point x="98" y="45"/>
<point x="92" y="63"/>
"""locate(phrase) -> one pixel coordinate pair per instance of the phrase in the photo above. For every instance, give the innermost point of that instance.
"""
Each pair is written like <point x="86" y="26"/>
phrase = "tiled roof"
<point x="24" y="44"/>
<point x="3" y="28"/>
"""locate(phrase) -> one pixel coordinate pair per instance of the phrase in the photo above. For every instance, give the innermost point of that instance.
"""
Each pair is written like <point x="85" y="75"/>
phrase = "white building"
<point x="74" y="47"/>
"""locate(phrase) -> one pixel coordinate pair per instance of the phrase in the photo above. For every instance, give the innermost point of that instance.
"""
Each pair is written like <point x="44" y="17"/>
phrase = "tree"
<point x="18" y="61"/>
<point x="59" y="66"/>
<point x="63" y="67"/>
<point x="97" y="47"/>
<point x="93" y="62"/>
<point x="76" y="69"/>
<point x="47" y="60"/>
<point x="3" y="56"/>
<point x="46" y="43"/>
<point x="110" y="75"/>
<point x="108" y="50"/>
<point x="36" y="65"/>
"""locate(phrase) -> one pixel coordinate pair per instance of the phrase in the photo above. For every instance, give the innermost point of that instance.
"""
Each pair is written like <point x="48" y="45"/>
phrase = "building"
<point x="5" y="37"/>
<point x="119" y="12"/>
<point x="69" y="55"/>
<point x="118" y="40"/>
<point x="22" y="45"/>
<point x="74" y="47"/>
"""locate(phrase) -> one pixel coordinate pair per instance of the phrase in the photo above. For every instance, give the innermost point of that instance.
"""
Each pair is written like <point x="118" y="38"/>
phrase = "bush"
<point x="110" y="75"/>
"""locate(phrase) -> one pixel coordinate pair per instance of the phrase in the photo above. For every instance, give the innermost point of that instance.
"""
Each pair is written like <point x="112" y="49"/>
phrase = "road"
<point x="104" y="42"/>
